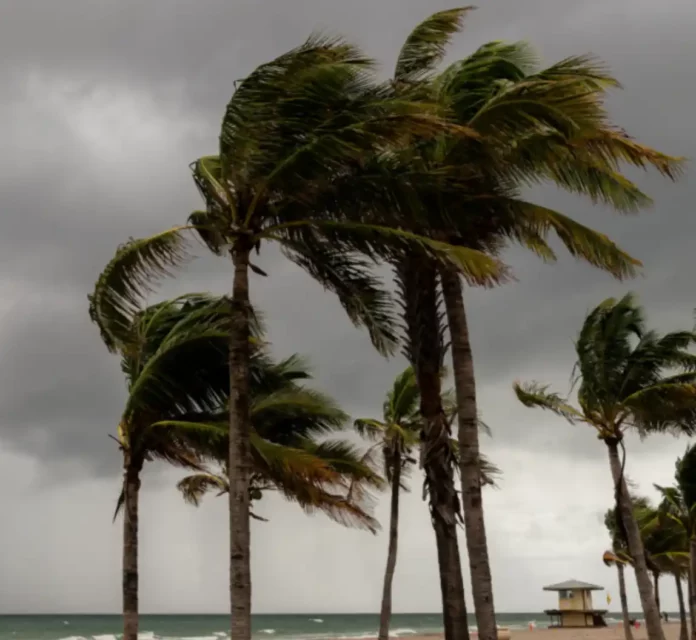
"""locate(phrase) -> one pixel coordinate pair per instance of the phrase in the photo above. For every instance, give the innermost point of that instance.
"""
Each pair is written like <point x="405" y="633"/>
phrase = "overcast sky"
<point x="103" y="106"/>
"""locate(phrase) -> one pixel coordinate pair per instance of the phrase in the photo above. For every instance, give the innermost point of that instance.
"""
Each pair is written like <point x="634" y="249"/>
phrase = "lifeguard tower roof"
<point x="573" y="585"/>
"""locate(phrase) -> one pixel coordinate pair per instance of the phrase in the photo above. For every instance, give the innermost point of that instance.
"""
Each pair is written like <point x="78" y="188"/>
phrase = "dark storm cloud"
<point x="71" y="192"/>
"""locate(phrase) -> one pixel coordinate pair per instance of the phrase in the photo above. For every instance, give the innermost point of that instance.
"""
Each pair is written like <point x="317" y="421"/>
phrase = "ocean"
<point x="265" y="627"/>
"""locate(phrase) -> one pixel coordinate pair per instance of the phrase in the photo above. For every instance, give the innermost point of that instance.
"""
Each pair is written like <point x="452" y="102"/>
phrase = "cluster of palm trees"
<point x="628" y="379"/>
<point x="422" y="173"/>
<point x="667" y="532"/>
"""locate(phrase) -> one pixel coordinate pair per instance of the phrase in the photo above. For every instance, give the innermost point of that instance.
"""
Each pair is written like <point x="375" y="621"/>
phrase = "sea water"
<point x="265" y="627"/>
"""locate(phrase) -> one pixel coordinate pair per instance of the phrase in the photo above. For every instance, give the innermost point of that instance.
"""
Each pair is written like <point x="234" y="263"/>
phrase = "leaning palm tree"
<point x="529" y="126"/>
<point x="629" y="379"/>
<point x="292" y="152"/>
<point x="174" y="365"/>
<point x="679" y="506"/>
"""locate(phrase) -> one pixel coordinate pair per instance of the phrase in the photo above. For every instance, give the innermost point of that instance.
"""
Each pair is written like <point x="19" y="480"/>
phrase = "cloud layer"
<point x="104" y="107"/>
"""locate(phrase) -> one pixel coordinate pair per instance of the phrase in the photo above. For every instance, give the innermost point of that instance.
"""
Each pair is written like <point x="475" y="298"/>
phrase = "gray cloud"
<point x="105" y="105"/>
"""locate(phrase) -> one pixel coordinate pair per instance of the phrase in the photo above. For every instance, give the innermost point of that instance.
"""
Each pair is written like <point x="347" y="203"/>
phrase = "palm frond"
<point x="533" y="394"/>
<point x="128" y="277"/>
<point x="425" y="46"/>
<point x="195" y="486"/>
<point x="580" y="241"/>
<point x="349" y="276"/>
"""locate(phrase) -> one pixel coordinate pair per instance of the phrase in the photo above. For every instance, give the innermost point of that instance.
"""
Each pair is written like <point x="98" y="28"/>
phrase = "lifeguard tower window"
<point x="566" y="595"/>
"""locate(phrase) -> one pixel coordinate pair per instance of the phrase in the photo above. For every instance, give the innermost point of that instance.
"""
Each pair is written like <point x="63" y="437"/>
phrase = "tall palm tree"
<point x="558" y="131"/>
<point x="292" y="152"/>
<point x="627" y="380"/>
<point x="174" y="366"/>
<point x="679" y="506"/>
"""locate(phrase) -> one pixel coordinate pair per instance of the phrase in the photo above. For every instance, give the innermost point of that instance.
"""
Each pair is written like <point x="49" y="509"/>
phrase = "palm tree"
<point x="290" y="450"/>
<point x="618" y="557"/>
<point x="678" y="506"/>
<point x="666" y="548"/>
<point x="292" y="153"/>
<point x="627" y="380"/>
<point x="174" y="366"/>
<point x="556" y="131"/>
<point x="396" y="435"/>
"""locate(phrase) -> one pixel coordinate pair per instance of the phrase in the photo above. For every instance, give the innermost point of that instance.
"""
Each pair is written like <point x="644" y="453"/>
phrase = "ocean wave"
<point x="268" y="631"/>
<point x="316" y="620"/>
<point x="403" y="632"/>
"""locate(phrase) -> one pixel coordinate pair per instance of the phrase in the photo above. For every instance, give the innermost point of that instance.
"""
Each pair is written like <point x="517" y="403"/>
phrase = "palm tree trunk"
<point x="454" y="615"/>
<point x="651" y="613"/>
<point x="131" y="489"/>
<point x="467" y="413"/>
<point x="683" y="626"/>
<point x="624" y="602"/>
<point x="385" y="613"/>
<point x="418" y="278"/>
<point x="656" y="581"/>
<point x="239" y="461"/>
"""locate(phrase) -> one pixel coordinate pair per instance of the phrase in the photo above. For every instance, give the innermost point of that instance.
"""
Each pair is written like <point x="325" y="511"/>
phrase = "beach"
<point x="613" y="632"/>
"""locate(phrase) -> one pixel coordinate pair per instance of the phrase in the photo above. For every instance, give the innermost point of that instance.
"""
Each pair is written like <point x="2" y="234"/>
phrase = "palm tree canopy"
<point x="399" y="430"/>
<point x="527" y="125"/>
<point x="296" y="139"/>
<point x="628" y="377"/>
<point x="290" y="450"/>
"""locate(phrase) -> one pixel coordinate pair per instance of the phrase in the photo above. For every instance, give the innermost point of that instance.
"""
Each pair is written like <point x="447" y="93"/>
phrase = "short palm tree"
<point x="629" y="379"/>
<point x="174" y="361"/>
<point x="397" y="435"/>
<point x="293" y="148"/>
<point x="678" y="505"/>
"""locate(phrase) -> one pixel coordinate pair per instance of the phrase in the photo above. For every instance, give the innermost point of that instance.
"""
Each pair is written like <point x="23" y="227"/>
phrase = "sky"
<point x="104" y="105"/>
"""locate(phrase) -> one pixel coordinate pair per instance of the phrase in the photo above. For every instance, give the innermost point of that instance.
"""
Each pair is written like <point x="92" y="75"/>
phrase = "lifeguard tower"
<point x="575" y="605"/>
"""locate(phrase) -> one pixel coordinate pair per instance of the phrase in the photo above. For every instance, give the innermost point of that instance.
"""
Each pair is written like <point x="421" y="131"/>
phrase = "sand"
<point x="614" y="632"/>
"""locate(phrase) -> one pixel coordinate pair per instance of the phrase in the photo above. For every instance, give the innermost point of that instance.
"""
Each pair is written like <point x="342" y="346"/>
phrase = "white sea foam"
<point x="403" y="632"/>
<point x="146" y="635"/>
<point x="106" y="636"/>
<point x="220" y="634"/>
<point x="199" y="638"/>
<point x="268" y="631"/>
<point x="316" y="620"/>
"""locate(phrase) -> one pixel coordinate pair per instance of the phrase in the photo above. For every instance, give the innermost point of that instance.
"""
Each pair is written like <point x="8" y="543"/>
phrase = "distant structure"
<point x="575" y="605"/>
